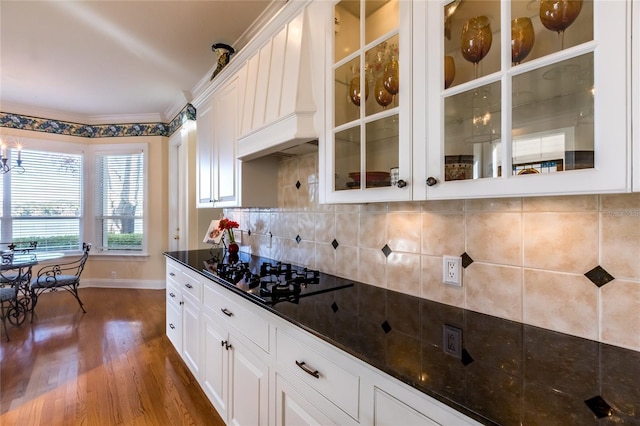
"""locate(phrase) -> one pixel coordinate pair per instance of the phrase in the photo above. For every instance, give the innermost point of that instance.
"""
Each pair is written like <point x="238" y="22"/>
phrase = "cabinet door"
<point x="204" y="148"/>
<point x="389" y="411"/>
<point x="249" y="386"/>
<point x="226" y="165"/>
<point x="174" y="326"/>
<point x="191" y="334"/>
<point x="215" y="363"/>
<point x="292" y="409"/>
<point x="368" y="147"/>
<point x="523" y="100"/>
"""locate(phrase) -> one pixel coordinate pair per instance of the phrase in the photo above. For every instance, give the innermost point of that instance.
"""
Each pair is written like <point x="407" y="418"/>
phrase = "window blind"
<point x="45" y="202"/>
<point x="120" y="183"/>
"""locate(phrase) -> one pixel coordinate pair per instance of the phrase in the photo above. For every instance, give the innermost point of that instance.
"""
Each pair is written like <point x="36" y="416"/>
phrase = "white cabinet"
<point x="516" y="104"/>
<point x="174" y="314"/>
<point x="235" y="370"/>
<point x="258" y="369"/>
<point x="322" y="371"/>
<point x="184" y="289"/>
<point x="293" y="409"/>
<point x="368" y="144"/>
<point x="223" y="180"/>
<point x="390" y="411"/>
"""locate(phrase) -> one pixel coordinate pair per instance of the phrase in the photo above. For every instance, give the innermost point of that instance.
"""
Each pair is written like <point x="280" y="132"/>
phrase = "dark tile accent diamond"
<point x="298" y="185"/>
<point x="334" y="307"/>
<point x="599" y="276"/>
<point x="298" y="239"/>
<point x="386" y="250"/>
<point x="335" y="244"/>
<point x="466" y="358"/>
<point x="249" y="232"/>
<point x="599" y="407"/>
<point x="466" y="260"/>
<point x="386" y="327"/>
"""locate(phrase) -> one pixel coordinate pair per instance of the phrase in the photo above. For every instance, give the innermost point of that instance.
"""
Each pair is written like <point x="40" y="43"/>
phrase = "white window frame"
<point x="90" y="193"/>
<point x="87" y="232"/>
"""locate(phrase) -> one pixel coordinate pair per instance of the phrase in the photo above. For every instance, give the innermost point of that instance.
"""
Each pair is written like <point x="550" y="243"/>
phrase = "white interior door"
<point x="178" y="194"/>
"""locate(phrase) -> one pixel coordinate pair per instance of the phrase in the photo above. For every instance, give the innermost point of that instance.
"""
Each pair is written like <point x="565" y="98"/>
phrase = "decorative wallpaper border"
<point x="25" y="122"/>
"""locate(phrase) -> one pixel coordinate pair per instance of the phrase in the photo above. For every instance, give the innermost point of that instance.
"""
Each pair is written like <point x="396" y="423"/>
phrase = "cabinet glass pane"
<point x="381" y="17"/>
<point x="348" y="86"/>
<point x="346" y="28"/>
<point x="347" y="159"/>
<point x="539" y="28"/>
<point x="382" y="147"/>
<point x="383" y="76"/>
<point x="472" y="133"/>
<point x="552" y="124"/>
<point x="472" y="40"/>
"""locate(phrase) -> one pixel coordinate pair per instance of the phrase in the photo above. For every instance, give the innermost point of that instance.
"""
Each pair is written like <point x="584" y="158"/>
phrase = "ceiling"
<point x="98" y="61"/>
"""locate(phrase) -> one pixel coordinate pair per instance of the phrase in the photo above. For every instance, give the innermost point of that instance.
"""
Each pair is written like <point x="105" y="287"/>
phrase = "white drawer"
<point x="191" y="283"/>
<point x="173" y="294"/>
<point x="322" y="372"/>
<point x="253" y="326"/>
<point x="173" y="270"/>
<point x="174" y="326"/>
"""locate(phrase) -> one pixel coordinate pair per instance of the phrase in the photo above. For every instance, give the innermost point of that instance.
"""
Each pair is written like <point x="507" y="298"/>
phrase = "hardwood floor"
<point x="110" y="366"/>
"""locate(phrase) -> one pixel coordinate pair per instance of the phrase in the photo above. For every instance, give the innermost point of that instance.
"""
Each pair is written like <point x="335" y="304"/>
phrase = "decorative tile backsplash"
<point x="525" y="258"/>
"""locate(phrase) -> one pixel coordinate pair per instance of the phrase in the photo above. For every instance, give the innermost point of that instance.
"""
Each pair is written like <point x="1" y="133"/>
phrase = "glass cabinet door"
<point x="520" y="94"/>
<point x="369" y="143"/>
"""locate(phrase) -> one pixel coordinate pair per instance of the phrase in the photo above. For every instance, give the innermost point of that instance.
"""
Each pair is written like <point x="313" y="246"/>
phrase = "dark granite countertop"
<point x="505" y="372"/>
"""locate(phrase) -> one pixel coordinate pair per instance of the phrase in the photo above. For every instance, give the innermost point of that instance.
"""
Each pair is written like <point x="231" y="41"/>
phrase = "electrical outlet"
<point x="452" y="340"/>
<point x="452" y="270"/>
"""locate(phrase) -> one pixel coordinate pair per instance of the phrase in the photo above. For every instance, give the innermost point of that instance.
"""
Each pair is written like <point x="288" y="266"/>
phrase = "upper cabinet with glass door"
<point x="527" y="98"/>
<point x="368" y="145"/>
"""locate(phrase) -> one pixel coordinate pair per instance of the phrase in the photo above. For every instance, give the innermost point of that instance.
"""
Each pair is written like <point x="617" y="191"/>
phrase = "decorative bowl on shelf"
<point x="372" y="177"/>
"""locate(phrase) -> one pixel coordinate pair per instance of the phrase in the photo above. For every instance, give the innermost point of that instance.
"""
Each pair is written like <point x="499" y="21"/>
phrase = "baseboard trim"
<point x="116" y="283"/>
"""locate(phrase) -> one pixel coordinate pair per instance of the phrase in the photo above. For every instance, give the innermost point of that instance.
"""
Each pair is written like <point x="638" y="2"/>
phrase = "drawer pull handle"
<point x="307" y="370"/>
<point x="171" y="274"/>
<point x="227" y="312"/>
<point x="171" y="326"/>
<point x="188" y="285"/>
<point x="225" y="344"/>
<point x="172" y="295"/>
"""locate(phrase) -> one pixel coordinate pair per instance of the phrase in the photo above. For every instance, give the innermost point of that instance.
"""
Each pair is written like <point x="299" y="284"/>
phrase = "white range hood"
<point x="277" y="101"/>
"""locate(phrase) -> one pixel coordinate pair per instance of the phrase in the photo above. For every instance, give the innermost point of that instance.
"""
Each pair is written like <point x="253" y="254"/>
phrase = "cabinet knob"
<point x="431" y="181"/>
<point x="401" y="183"/>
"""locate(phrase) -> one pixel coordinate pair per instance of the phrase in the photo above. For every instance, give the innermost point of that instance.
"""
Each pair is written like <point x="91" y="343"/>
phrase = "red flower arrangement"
<point x="228" y="225"/>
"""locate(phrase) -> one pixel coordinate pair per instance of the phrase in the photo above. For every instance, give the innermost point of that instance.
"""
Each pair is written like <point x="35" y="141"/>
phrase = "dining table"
<point x="16" y="270"/>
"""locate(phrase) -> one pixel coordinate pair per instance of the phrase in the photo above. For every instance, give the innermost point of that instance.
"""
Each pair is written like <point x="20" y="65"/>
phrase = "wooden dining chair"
<point x="63" y="276"/>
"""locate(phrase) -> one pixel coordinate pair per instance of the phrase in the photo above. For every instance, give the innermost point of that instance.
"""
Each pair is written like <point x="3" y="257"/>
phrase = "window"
<point x="44" y="203"/>
<point x="120" y="188"/>
<point x="70" y="193"/>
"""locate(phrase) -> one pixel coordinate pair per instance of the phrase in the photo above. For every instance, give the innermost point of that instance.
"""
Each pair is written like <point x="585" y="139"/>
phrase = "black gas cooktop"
<point x="270" y="281"/>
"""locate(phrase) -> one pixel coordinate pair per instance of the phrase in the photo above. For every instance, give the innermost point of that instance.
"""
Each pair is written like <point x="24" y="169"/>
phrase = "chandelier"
<point x="5" y="167"/>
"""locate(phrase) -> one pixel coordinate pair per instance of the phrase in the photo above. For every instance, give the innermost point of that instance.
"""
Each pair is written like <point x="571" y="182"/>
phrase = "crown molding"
<point x="282" y="16"/>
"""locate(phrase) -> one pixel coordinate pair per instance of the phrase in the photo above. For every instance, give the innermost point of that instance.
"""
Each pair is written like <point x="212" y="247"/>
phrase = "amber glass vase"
<point x="558" y="15"/>
<point x="475" y="40"/>
<point x="522" y="38"/>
